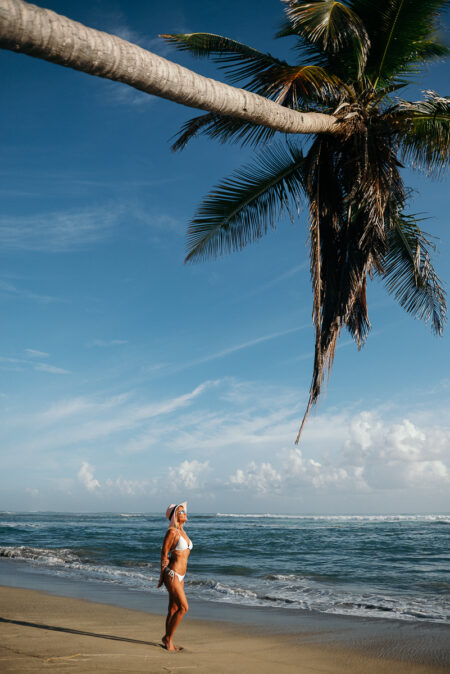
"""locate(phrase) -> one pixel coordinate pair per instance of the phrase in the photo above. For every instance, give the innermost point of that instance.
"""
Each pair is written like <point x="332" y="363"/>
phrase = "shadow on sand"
<point x="69" y="630"/>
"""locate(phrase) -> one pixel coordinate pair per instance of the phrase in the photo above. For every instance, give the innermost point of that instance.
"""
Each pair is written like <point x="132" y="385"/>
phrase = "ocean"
<point x="389" y="566"/>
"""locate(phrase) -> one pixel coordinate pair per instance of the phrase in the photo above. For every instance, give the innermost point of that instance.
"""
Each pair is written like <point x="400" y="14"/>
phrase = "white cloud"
<point x="93" y="421"/>
<point x="37" y="354"/>
<point x="398" y="455"/>
<point x="109" y="342"/>
<point x="261" y="478"/>
<point x="140" y="443"/>
<point x="124" y="95"/>
<point x="7" y="288"/>
<point x="5" y="359"/>
<point x="86" y="477"/>
<point x="77" y="406"/>
<point x="129" y="487"/>
<point x="58" y="232"/>
<point x="239" y="439"/>
<point x="116" y="23"/>
<point x="44" y="367"/>
<point x="278" y="279"/>
<point x="239" y="347"/>
<point x="294" y="473"/>
<point x="38" y="367"/>
<point x="189" y="474"/>
<point x="355" y="454"/>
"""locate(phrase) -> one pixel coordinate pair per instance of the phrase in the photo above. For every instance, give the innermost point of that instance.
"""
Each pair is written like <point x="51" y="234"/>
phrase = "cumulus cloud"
<point x="261" y="478"/>
<point x="398" y="454"/>
<point x="189" y="474"/>
<point x="86" y="477"/>
<point x="362" y="453"/>
<point x="294" y="472"/>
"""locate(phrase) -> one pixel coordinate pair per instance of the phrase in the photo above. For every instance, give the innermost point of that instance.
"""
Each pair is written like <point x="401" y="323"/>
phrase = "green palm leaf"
<point x="242" y="208"/>
<point x="331" y="25"/>
<point x="240" y="61"/>
<point x="402" y="36"/>
<point x="308" y="52"/>
<point x="409" y="273"/>
<point x="223" y="129"/>
<point x="425" y="132"/>
<point x="261" y="73"/>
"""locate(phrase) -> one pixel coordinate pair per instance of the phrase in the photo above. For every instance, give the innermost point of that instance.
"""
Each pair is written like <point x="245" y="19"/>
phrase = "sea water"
<point x="390" y="566"/>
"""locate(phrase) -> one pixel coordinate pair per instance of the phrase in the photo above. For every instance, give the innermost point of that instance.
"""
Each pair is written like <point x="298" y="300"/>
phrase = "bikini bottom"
<point x="173" y="573"/>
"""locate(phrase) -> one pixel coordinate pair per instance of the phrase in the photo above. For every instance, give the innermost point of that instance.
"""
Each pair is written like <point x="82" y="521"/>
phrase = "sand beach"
<point x="41" y="632"/>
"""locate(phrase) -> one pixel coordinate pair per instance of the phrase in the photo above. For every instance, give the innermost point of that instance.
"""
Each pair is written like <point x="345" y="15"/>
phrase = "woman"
<point x="173" y="571"/>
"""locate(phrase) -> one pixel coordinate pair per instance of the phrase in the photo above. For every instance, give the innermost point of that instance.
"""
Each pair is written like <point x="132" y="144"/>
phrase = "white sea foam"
<point x="309" y="595"/>
<point x="46" y="556"/>
<point x="344" y="518"/>
<point x="23" y="525"/>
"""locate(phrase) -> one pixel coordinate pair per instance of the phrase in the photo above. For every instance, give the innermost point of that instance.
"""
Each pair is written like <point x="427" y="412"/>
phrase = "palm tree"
<point x="352" y="56"/>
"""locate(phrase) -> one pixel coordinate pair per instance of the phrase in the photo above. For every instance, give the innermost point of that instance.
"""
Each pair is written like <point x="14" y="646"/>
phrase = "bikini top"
<point x="183" y="544"/>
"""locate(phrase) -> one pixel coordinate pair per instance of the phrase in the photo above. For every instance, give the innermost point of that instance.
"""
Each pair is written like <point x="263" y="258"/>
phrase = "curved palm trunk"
<point x="42" y="33"/>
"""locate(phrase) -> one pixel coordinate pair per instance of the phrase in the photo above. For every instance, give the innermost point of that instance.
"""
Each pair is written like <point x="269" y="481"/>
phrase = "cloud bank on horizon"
<point x="227" y="444"/>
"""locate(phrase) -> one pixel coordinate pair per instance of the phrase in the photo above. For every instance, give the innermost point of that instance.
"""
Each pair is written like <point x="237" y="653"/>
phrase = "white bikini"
<point x="181" y="545"/>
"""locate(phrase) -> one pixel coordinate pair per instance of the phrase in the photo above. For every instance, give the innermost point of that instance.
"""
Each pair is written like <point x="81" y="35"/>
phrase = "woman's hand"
<point x="171" y="535"/>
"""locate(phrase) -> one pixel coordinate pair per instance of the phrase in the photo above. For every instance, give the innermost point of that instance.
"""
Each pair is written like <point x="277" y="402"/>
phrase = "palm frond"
<point x="352" y="186"/>
<point x="357" y="319"/>
<point x="261" y="73"/>
<point x="223" y="129"/>
<point x="308" y="52"/>
<point x="402" y="36"/>
<point x="242" y="208"/>
<point x="239" y="60"/>
<point x="409" y="273"/>
<point x="332" y="25"/>
<point x="294" y="85"/>
<point x="326" y="201"/>
<point x="425" y="132"/>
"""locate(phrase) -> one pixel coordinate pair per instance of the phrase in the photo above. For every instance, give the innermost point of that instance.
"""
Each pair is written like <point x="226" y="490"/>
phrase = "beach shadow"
<point x="69" y="630"/>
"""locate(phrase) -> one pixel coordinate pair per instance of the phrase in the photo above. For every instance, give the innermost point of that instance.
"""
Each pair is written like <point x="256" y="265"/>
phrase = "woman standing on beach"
<point x="173" y="570"/>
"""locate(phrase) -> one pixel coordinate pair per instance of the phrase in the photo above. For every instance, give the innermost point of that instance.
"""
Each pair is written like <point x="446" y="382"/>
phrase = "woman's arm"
<point x="169" y="540"/>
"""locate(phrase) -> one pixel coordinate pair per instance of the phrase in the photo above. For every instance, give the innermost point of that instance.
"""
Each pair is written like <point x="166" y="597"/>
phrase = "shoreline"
<point x="41" y="630"/>
<point x="320" y="638"/>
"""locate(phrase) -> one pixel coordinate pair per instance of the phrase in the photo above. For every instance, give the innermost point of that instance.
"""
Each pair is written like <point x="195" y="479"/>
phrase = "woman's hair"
<point x="172" y="514"/>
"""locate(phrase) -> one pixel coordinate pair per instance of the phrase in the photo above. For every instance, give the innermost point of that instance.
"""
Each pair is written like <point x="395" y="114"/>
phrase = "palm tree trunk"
<point x="42" y="33"/>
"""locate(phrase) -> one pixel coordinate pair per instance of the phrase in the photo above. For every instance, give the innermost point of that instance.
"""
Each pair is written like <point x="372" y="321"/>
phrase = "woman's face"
<point x="181" y="515"/>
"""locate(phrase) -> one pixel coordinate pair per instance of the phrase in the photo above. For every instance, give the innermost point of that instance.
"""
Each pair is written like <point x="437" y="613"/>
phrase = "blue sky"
<point x="129" y="380"/>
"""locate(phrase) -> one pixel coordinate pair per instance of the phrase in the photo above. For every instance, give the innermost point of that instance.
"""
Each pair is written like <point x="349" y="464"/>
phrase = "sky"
<point x="129" y="380"/>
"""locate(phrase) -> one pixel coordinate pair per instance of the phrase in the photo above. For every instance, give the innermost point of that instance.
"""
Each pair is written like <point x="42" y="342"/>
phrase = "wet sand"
<point x="41" y="632"/>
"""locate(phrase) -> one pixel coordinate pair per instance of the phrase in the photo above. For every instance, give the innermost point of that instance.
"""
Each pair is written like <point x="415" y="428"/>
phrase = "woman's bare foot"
<point x="168" y="644"/>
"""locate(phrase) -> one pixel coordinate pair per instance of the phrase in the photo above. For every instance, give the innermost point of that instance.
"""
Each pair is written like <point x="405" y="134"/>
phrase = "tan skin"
<point x="178" y="605"/>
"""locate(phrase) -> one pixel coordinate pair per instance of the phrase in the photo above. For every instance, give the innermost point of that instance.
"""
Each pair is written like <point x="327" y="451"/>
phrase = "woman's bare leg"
<point x="178" y="602"/>
<point x="170" y="611"/>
